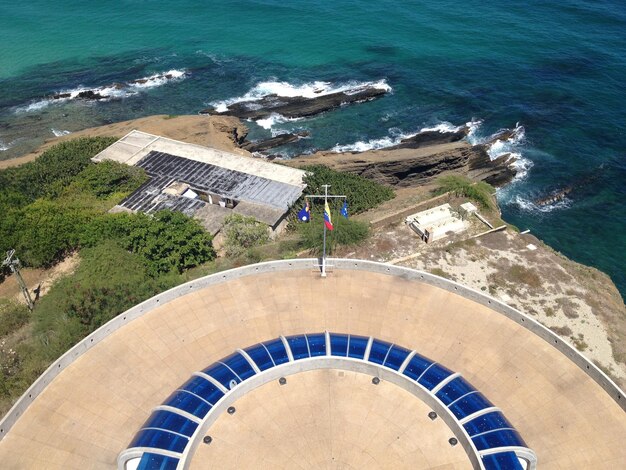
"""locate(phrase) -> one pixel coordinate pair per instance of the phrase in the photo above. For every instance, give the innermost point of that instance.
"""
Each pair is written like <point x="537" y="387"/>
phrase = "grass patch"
<point x="564" y="331"/>
<point x="520" y="274"/>
<point x="579" y="342"/>
<point x="462" y="186"/>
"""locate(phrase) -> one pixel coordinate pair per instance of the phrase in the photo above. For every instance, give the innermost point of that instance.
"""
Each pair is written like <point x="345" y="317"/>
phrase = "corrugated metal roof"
<point x="211" y="178"/>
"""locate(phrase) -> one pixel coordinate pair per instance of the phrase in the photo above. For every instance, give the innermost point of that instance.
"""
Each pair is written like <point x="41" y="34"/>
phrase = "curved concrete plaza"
<point x="89" y="406"/>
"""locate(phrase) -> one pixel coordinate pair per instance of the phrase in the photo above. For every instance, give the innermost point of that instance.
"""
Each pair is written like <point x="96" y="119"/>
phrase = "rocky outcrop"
<point x="413" y="167"/>
<point x="277" y="141"/>
<point x="427" y="138"/>
<point x="297" y="106"/>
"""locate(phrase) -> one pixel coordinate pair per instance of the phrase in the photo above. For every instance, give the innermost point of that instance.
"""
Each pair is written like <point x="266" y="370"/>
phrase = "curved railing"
<point x="304" y="264"/>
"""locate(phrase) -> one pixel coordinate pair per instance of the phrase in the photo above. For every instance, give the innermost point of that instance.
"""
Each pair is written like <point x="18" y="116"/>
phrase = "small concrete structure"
<point x="187" y="178"/>
<point x="436" y="223"/>
<point x="466" y="209"/>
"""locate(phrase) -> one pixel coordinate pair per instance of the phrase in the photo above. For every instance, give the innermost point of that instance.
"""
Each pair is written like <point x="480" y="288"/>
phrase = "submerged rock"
<point x="281" y="139"/>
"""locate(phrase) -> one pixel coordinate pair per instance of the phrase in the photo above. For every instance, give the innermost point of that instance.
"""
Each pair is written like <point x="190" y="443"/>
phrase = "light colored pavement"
<point x="91" y="411"/>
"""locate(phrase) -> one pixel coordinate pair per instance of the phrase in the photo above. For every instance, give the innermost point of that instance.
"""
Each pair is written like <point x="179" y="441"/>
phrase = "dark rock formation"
<point x="297" y="106"/>
<point x="426" y="138"/>
<point x="413" y="167"/>
<point x="282" y="139"/>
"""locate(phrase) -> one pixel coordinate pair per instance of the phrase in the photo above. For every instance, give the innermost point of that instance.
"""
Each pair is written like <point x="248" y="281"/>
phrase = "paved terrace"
<point x="88" y="413"/>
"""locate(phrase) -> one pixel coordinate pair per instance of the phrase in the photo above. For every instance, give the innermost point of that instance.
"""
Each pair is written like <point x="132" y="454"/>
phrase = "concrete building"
<point x="436" y="223"/>
<point x="203" y="182"/>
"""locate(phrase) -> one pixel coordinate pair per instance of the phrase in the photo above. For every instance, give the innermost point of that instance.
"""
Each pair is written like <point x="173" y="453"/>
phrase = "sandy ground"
<point x="42" y="278"/>
<point x="213" y="131"/>
<point x="579" y="303"/>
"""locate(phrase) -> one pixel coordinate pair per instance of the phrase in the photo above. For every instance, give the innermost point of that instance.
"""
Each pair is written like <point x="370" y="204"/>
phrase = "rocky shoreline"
<point x="297" y="106"/>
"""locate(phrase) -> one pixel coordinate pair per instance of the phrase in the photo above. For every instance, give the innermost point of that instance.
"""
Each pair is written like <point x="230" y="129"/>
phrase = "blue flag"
<point x="305" y="213"/>
<point x="344" y="209"/>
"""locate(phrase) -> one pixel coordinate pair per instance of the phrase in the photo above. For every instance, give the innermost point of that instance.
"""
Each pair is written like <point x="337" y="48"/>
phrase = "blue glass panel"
<point x="416" y="366"/>
<point x="189" y="403"/>
<point x="434" y="375"/>
<point x="277" y="350"/>
<point x="171" y="422"/>
<point x="454" y="389"/>
<point x="260" y="356"/>
<point x="239" y="365"/>
<point x="338" y="345"/>
<point x="357" y="346"/>
<point x="507" y="437"/>
<point x="487" y="422"/>
<point x="379" y="351"/>
<point x="222" y="374"/>
<point x="469" y="405"/>
<point x="299" y="347"/>
<point x="157" y="462"/>
<point x="160" y="440"/>
<point x="502" y="461"/>
<point x="203" y="388"/>
<point x="396" y="357"/>
<point x="317" y="344"/>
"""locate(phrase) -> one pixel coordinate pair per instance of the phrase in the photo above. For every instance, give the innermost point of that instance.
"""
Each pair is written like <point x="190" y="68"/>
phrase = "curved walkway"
<point x="86" y="408"/>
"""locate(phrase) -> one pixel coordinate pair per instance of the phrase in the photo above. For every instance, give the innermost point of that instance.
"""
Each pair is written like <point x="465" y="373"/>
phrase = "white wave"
<point x="306" y="90"/>
<point x="396" y="138"/>
<point x="4" y="146"/>
<point x="442" y="127"/>
<point x="274" y="119"/>
<point x="59" y="133"/>
<point x="108" y="92"/>
<point x="158" y="79"/>
<point x="530" y="206"/>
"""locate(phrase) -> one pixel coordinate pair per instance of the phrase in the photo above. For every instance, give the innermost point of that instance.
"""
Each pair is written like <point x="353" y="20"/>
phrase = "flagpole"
<point x="324" y="249"/>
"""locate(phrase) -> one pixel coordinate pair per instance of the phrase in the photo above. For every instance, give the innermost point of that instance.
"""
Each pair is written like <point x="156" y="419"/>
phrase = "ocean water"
<point x="556" y="68"/>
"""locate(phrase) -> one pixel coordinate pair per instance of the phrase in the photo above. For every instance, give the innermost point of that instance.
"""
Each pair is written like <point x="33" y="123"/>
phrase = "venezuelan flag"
<point x="327" y="220"/>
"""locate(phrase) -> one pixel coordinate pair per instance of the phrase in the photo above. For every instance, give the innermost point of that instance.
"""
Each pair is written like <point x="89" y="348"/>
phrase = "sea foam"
<point x="306" y="90"/>
<point x="59" y="133"/>
<point x="108" y="92"/>
<point x="396" y="137"/>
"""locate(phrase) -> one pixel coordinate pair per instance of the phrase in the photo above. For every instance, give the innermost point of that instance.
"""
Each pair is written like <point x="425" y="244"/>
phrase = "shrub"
<point x="167" y="241"/>
<point x="52" y="170"/>
<point x="362" y="194"/>
<point x="242" y="233"/>
<point x="45" y="231"/>
<point x="346" y="232"/>
<point x="463" y="187"/>
<point x="106" y="178"/>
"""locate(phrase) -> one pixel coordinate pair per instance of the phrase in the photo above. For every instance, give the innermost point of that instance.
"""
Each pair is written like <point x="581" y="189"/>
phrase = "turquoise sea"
<point x="557" y="68"/>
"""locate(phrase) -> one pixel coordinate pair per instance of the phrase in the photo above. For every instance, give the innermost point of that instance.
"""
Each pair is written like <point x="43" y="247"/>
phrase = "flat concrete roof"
<point x="86" y="415"/>
<point x="136" y="144"/>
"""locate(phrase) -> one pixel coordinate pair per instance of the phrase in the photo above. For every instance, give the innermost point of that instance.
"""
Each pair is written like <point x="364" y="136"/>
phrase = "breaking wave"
<point x="529" y="206"/>
<point x="396" y="137"/>
<point x="59" y="133"/>
<point x="274" y="119"/>
<point x="108" y="92"/>
<point x="306" y="90"/>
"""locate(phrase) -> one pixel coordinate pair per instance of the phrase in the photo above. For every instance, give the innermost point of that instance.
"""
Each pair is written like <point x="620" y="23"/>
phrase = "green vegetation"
<point x="243" y="233"/>
<point x="462" y="186"/>
<point x="346" y="232"/>
<point x="362" y="194"/>
<point x="59" y="204"/>
<point x="520" y="274"/>
<point x="53" y="170"/>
